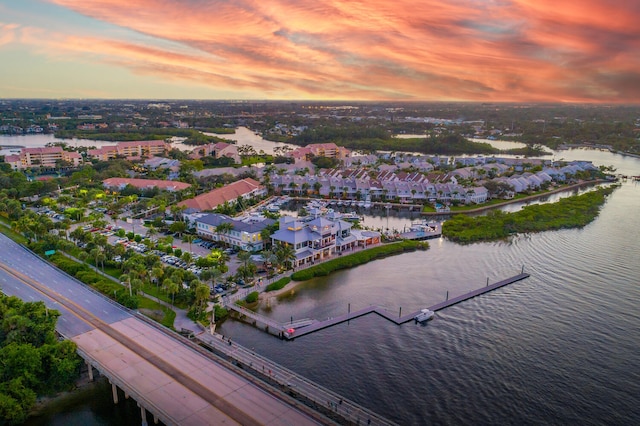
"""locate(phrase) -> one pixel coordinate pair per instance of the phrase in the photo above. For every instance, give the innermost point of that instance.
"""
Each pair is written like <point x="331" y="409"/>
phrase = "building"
<point x="217" y="150"/>
<point x="47" y="157"/>
<point x="243" y="234"/>
<point x="315" y="239"/>
<point x="330" y="150"/>
<point x="245" y="188"/>
<point x="129" y="149"/>
<point x="166" y="185"/>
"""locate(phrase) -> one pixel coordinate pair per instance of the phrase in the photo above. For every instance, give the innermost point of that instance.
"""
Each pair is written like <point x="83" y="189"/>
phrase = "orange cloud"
<point x="510" y="50"/>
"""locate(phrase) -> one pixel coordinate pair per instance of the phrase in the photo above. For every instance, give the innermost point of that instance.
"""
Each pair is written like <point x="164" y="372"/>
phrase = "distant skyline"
<point x="425" y="50"/>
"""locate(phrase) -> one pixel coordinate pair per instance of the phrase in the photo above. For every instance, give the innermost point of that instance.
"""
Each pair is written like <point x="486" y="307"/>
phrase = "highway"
<point x="176" y="383"/>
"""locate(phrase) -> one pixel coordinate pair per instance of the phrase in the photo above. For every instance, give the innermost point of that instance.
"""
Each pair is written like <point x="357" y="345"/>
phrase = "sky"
<point x="415" y="50"/>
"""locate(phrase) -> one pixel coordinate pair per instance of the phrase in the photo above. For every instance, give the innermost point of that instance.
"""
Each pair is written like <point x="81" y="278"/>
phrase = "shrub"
<point x="358" y="258"/>
<point x="252" y="297"/>
<point x="277" y="285"/>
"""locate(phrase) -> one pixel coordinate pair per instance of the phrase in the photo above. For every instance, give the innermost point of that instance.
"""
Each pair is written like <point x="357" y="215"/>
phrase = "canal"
<point x="561" y="347"/>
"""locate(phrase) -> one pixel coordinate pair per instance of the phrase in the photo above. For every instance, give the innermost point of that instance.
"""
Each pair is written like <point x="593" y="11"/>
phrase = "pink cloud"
<point x="513" y="50"/>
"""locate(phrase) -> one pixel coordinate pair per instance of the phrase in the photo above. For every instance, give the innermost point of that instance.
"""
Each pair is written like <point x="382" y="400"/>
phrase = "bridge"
<point x="174" y="382"/>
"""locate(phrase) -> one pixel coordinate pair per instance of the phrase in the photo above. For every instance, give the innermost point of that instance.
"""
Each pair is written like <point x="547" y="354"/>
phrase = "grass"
<point x="277" y="285"/>
<point x="157" y="292"/>
<point x="6" y="230"/>
<point x="359" y="258"/>
<point x="157" y="312"/>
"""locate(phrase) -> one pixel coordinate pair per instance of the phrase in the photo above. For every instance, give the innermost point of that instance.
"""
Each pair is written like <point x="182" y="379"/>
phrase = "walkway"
<point x="291" y="334"/>
<point x="182" y="321"/>
<point x="325" y="401"/>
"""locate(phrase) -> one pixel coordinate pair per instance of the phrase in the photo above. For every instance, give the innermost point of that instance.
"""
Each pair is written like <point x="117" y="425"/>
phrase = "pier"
<point x="292" y="333"/>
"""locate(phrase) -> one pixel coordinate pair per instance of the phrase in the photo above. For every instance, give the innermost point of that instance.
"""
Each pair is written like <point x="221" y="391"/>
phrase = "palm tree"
<point x="98" y="256"/>
<point x="188" y="239"/>
<point x="224" y="228"/>
<point x="201" y="296"/>
<point x="156" y="274"/>
<point x="285" y="254"/>
<point x="151" y="231"/>
<point x="172" y="288"/>
<point x="126" y="278"/>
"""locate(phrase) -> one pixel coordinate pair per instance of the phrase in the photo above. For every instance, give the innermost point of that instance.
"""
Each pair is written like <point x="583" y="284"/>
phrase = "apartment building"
<point x="46" y="157"/>
<point x="129" y="149"/>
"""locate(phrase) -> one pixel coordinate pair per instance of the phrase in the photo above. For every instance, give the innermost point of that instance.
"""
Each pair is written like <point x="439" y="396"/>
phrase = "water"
<point x="561" y="347"/>
<point x="244" y="136"/>
<point x="92" y="405"/>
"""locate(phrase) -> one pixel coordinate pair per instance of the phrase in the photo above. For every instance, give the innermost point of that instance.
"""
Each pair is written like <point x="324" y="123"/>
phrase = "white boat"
<point x="350" y="216"/>
<point x="424" y="315"/>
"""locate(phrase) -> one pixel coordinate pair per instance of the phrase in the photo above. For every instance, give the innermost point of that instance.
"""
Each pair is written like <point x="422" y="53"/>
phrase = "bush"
<point x="360" y="258"/>
<point x="252" y="297"/>
<point x="277" y="285"/>
<point x="221" y="313"/>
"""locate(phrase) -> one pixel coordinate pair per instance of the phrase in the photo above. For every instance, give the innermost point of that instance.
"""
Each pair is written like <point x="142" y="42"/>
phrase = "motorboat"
<point x="424" y="315"/>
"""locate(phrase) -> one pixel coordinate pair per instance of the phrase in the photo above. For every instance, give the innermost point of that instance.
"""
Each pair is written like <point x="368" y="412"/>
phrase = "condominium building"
<point x="46" y="157"/>
<point x="316" y="239"/>
<point x="243" y="234"/>
<point x="129" y="149"/>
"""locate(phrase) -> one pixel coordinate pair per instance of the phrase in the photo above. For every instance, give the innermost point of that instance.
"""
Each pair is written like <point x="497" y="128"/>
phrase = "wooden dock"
<point x="316" y="326"/>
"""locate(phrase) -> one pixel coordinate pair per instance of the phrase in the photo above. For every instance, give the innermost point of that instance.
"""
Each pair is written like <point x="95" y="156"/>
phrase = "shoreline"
<point x="519" y="200"/>
<point x="290" y="287"/>
<point x="44" y="402"/>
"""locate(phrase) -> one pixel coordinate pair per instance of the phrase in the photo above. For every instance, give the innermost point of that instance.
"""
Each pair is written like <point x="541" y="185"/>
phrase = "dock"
<point x="293" y="333"/>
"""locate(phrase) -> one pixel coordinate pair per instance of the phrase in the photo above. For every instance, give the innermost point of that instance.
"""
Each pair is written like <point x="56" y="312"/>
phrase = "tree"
<point x="201" y="296"/>
<point x="171" y="287"/>
<point x="178" y="227"/>
<point x="188" y="239"/>
<point x="156" y="274"/>
<point x="285" y="254"/>
<point x="224" y="228"/>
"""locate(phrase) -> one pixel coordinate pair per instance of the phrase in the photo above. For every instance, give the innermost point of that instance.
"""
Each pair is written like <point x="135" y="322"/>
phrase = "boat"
<point x="424" y="315"/>
<point x="351" y="216"/>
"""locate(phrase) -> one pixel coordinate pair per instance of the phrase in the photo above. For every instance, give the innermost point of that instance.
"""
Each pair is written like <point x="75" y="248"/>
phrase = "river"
<point x="561" y="347"/>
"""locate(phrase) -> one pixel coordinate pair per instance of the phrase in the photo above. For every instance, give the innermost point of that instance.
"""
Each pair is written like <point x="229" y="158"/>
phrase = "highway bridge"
<point x="173" y="382"/>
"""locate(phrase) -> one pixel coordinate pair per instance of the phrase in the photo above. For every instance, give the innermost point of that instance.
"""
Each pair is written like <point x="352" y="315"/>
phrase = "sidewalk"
<point x="181" y="321"/>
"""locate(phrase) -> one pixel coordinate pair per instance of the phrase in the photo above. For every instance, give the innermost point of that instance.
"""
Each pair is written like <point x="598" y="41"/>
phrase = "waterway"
<point x="561" y="347"/>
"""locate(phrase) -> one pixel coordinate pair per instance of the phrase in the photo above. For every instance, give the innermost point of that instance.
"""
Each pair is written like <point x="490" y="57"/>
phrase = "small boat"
<point x="424" y="315"/>
<point x="351" y="216"/>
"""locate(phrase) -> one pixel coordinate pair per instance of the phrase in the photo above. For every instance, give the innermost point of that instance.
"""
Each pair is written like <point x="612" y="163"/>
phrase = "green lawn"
<point x="157" y="312"/>
<point x="6" y="230"/>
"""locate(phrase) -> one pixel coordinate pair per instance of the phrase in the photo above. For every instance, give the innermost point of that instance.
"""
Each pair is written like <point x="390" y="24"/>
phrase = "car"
<point x="196" y="241"/>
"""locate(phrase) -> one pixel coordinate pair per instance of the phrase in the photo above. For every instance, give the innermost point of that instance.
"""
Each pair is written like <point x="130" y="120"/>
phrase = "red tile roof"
<point x="231" y="192"/>
<point x="169" y="185"/>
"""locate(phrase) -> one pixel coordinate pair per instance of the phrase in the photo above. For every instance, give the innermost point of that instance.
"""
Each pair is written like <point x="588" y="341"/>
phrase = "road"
<point x="178" y="383"/>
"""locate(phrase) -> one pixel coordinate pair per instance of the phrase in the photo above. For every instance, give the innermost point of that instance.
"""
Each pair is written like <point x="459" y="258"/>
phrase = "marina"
<point x="293" y="333"/>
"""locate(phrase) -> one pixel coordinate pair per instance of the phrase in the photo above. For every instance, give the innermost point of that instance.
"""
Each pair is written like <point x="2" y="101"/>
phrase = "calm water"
<point x="562" y="347"/>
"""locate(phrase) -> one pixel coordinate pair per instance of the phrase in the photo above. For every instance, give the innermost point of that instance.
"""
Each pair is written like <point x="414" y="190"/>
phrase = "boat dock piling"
<point x="292" y="333"/>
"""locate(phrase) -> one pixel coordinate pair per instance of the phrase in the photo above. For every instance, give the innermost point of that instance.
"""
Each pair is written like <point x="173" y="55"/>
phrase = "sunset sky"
<point x="460" y="50"/>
